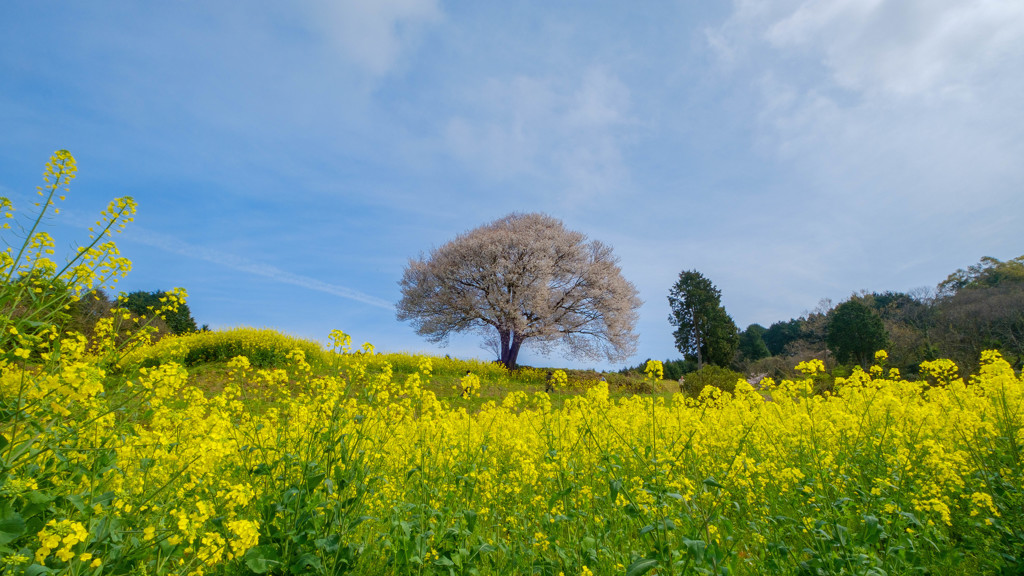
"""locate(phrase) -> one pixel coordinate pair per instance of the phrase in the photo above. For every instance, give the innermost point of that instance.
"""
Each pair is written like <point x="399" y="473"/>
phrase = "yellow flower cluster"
<point x="468" y="386"/>
<point x="559" y="380"/>
<point x="943" y="370"/>
<point x="654" y="370"/>
<point x="62" y="538"/>
<point x="810" y="367"/>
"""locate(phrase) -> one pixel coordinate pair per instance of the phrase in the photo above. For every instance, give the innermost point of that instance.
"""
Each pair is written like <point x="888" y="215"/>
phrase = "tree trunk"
<point x="696" y="337"/>
<point x="510" y="344"/>
<point x="513" y="352"/>
<point x="505" y="337"/>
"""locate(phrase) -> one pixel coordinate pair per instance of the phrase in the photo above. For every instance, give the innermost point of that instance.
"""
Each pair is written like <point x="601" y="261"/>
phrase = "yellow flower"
<point x="654" y="370"/>
<point x="559" y="380"/>
<point x="810" y="367"/>
<point x="468" y="386"/>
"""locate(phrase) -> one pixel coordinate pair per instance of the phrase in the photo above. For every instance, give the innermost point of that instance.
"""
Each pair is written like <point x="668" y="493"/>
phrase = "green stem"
<point x="53" y="189"/>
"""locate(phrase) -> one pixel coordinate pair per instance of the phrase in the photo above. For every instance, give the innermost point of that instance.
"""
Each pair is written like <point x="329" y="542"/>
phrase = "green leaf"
<point x="470" y="516"/>
<point x="359" y="521"/>
<point x="77" y="501"/>
<point x="842" y="532"/>
<point x="261" y="469"/>
<point x="909" y="517"/>
<point x="558" y="495"/>
<point x="641" y="566"/>
<point x="12" y="526"/>
<point x="261" y="559"/>
<point x="305" y="563"/>
<point x="695" y="548"/>
<point x="709" y="481"/>
<point x="37" y="570"/>
<point x="840" y="503"/>
<point x="37" y="497"/>
<point x="328" y="544"/>
<point x="314" y="480"/>
<point x="613" y="489"/>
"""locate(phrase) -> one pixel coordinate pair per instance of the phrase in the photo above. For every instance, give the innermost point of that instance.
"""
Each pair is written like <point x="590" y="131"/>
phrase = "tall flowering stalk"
<point x="34" y="291"/>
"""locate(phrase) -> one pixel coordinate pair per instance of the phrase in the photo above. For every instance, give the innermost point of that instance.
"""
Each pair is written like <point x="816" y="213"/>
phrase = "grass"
<point x="206" y="356"/>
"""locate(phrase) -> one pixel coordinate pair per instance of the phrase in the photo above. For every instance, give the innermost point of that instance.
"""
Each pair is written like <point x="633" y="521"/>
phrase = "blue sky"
<point x="288" y="160"/>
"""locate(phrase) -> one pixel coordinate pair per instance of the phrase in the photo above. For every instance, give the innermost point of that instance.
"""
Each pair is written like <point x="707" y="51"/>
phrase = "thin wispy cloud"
<point x="175" y="246"/>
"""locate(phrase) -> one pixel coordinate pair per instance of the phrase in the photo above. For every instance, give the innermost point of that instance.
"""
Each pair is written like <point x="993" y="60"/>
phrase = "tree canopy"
<point x="779" y="334"/>
<point x="751" y="343"/>
<point x="704" y="330"/>
<point x="988" y="272"/>
<point x="523" y="279"/>
<point x="855" y="332"/>
<point x="144" y="303"/>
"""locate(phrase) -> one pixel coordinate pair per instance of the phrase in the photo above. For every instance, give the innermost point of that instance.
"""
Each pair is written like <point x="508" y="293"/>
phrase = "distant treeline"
<point x="974" y="309"/>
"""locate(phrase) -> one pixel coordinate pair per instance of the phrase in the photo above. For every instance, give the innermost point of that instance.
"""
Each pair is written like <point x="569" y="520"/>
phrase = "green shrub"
<point x="629" y="383"/>
<point x="264" y="349"/>
<point x="711" y="375"/>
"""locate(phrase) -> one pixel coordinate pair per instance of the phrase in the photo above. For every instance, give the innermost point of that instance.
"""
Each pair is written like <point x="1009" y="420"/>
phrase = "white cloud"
<point x="881" y="104"/>
<point x="901" y="47"/>
<point x="571" y="131"/>
<point x="373" y="34"/>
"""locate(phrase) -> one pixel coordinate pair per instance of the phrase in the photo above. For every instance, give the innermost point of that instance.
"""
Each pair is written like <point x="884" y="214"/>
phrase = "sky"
<point x="288" y="159"/>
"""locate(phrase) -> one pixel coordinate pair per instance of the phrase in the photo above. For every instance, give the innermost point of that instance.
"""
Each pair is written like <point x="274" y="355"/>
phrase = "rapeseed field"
<point x="301" y="459"/>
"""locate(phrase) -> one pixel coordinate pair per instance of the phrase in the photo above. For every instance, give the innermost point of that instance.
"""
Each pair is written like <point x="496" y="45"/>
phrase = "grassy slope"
<point x="206" y="355"/>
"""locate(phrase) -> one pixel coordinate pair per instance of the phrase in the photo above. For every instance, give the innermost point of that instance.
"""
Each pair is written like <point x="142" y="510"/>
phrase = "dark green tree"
<point x="704" y="330"/>
<point x="144" y="303"/>
<point x="855" y="332"/>
<point x="752" y="346"/>
<point x="779" y="334"/>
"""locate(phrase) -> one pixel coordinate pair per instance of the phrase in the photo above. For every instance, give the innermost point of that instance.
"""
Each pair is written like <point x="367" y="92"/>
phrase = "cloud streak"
<point x="176" y="246"/>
